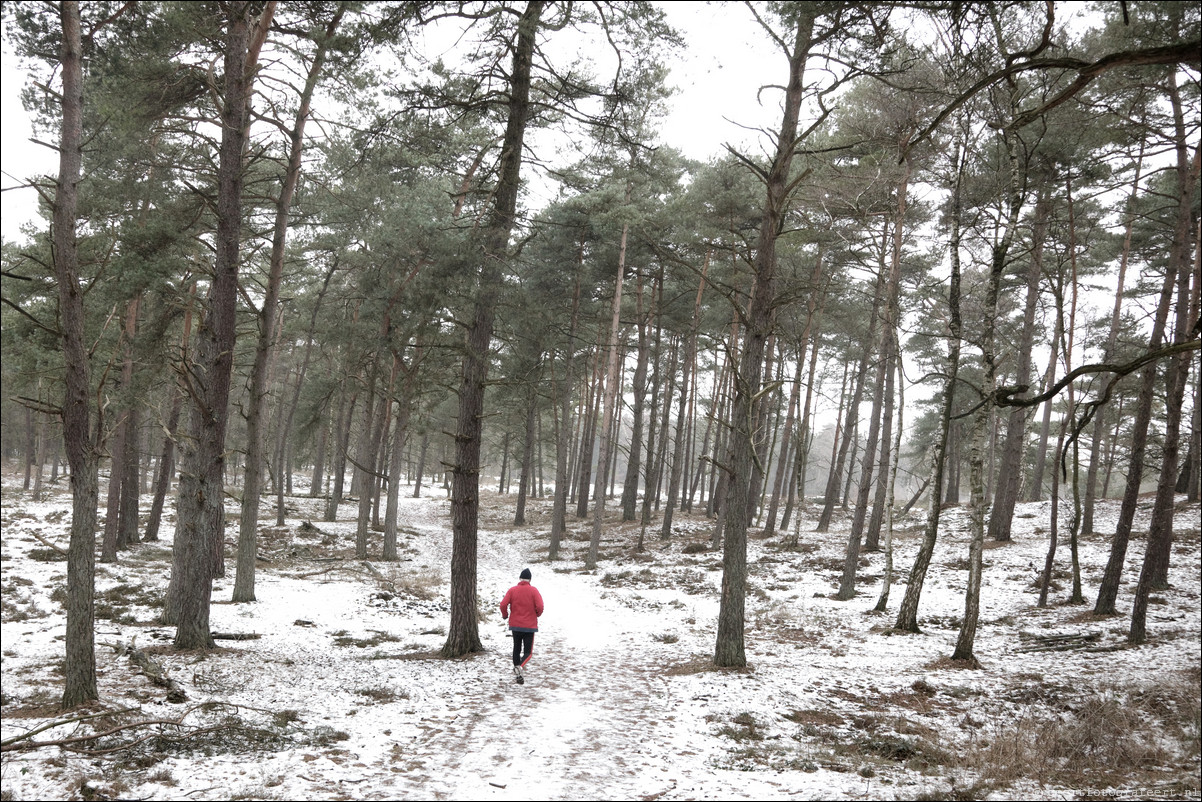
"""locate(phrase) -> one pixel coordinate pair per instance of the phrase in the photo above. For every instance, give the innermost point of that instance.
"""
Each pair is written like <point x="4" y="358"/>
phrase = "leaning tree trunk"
<point x="1154" y="572"/>
<point x="907" y="614"/>
<point x="1179" y="253"/>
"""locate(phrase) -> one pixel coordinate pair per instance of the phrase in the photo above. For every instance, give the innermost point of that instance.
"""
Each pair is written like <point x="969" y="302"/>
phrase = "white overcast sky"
<point x="725" y="61"/>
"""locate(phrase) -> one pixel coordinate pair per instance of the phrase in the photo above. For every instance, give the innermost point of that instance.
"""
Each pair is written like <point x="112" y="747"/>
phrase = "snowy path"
<point x="569" y="731"/>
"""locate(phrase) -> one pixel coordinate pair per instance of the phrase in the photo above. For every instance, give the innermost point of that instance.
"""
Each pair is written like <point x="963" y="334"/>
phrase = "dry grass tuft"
<point x="425" y="586"/>
<point x="1107" y="738"/>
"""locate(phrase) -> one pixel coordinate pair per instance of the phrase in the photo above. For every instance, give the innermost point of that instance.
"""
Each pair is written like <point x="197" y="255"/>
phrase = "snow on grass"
<point x="343" y="696"/>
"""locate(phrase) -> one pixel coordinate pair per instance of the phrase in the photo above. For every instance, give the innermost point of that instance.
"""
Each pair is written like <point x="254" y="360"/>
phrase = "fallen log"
<point x="157" y="675"/>
<point x="235" y="635"/>
<point x="46" y="542"/>
<point x="1057" y="643"/>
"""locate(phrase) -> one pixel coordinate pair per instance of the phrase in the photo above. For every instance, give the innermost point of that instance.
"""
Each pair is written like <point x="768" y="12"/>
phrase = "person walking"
<point x="521" y="607"/>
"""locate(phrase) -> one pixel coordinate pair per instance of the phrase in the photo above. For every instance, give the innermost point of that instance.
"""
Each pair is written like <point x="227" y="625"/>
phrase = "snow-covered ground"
<point x="343" y="696"/>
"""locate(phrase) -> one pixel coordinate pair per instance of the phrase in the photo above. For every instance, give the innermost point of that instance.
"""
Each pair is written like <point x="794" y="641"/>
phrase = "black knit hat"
<point x="525" y="574"/>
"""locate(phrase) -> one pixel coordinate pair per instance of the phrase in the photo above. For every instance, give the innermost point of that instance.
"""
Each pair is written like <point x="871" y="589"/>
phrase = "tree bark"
<point x="342" y="440"/>
<point x="612" y="378"/>
<point x="531" y="434"/>
<point x="835" y="477"/>
<point x="1154" y="572"/>
<point x="244" y="572"/>
<point x="690" y="357"/>
<point x="563" y="430"/>
<point x="1108" y="589"/>
<point x="630" y="484"/>
<point x="463" y="633"/>
<point x="985" y="414"/>
<point x="79" y="669"/>
<point x="907" y="614"/>
<point x="201" y="515"/>
<point x="1002" y="515"/>
<point x="742" y="461"/>
<point x="882" y="402"/>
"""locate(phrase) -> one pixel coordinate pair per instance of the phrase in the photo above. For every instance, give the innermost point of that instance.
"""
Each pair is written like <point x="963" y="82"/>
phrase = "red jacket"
<point x="522" y="606"/>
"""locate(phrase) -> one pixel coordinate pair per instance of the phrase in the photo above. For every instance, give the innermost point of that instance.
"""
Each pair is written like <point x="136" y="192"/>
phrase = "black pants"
<point x="523" y="647"/>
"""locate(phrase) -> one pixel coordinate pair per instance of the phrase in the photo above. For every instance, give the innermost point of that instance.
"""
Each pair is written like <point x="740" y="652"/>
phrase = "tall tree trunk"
<point x="79" y="669"/>
<point x="120" y="435"/>
<point x="649" y="478"/>
<point x="704" y="463"/>
<point x="655" y="481"/>
<point x="872" y="532"/>
<point x="463" y="633"/>
<point x="395" y="460"/>
<point x="805" y="435"/>
<point x="984" y="416"/>
<point x="690" y="358"/>
<point x="1002" y="515"/>
<point x="1191" y="469"/>
<point x="527" y="475"/>
<point x="365" y="457"/>
<point x="612" y="379"/>
<point x="342" y="439"/>
<point x="882" y="602"/>
<point x="166" y="467"/>
<point x="131" y="485"/>
<point x="420" y="474"/>
<point x="588" y="436"/>
<point x="1035" y="492"/>
<point x="563" y="429"/>
<point x="127" y="464"/>
<point x="882" y="399"/>
<point x="244" y="571"/>
<point x="834" y="479"/>
<point x="396" y="457"/>
<point x="1154" y="572"/>
<point x="742" y="462"/>
<point x="761" y="429"/>
<point x="283" y="437"/>
<point x="112" y="515"/>
<point x="907" y="614"/>
<point x="1179" y="254"/>
<point x="201" y="515"/>
<point x="630" y="485"/>
<point x="1102" y="419"/>
<point x="785" y="461"/>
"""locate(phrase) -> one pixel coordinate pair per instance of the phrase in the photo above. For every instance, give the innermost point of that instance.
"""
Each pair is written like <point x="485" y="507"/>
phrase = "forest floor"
<point x="342" y="694"/>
